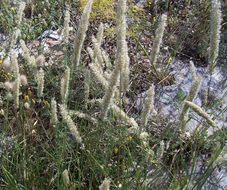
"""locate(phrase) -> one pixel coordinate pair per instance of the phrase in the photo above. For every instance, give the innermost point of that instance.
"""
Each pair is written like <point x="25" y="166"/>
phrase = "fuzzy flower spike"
<point x="19" y="18"/>
<point x="158" y="39"/>
<point x="66" y="25"/>
<point x="201" y="112"/>
<point x="65" y="86"/>
<point x="105" y="184"/>
<point x="72" y="127"/>
<point x="20" y="13"/>
<point x="216" y="19"/>
<point x="185" y="109"/>
<point x="40" y="80"/>
<point x="16" y="87"/>
<point x="120" y="59"/>
<point x="148" y="106"/>
<point x="54" y="117"/>
<point x="81" y="33"/>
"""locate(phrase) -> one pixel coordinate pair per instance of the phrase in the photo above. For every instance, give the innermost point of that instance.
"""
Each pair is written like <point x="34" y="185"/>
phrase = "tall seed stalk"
<point x="215" y="33"/>
<point x="81" y="34"/>
<point x="148" y="105"/>
<point x="157" y="42"/>
<point x="120" y="58"/>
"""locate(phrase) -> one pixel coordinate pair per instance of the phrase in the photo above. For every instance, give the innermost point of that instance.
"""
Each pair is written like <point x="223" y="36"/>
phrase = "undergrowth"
<point x="70" y="125"/>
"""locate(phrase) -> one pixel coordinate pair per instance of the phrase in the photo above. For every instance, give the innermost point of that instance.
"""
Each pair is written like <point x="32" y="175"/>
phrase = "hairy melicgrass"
<point x="148" y="105"/>
<point x="120" y="58"/>
<point x="81" y="33"/>
<point x="215" y="24"/>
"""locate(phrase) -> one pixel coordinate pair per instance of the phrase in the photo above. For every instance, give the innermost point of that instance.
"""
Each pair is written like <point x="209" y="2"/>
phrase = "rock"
<point x="168" y="99"/>
<point x="141" y="3"/>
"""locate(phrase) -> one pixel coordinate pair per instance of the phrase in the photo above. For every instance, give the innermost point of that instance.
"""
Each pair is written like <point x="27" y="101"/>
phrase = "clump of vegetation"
<point x="102" y="9"/>
<point x="189" y="24"/>
<point x="39" y="16"/>
<point x="70" y="126"/>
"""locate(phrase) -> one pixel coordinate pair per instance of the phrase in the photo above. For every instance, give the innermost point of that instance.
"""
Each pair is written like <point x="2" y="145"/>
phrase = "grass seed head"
<point x="215" y="34"/>
<point x="81" y="33"/>
<point x="105" y="184"/>
<point x="40" y="60"/>
<point x="23" y="80"/>
<point x="40" y="80"/>
<point x="68" y="120"/>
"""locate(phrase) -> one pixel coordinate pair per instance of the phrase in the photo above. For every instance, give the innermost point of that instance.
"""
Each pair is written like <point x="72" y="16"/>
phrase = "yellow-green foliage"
<point x="101" y="9"/>
<point x="138" y="15"/>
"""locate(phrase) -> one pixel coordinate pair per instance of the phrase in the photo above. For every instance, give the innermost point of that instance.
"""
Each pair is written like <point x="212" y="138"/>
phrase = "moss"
<point x="101" y="9"/>
<point x="138" y="15"/>
<point x="136" y="10"/>
<point x="110" y="32"/>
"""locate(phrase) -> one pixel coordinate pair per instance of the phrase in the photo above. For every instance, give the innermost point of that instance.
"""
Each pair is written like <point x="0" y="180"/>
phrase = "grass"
<point x="34" y="152"/>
